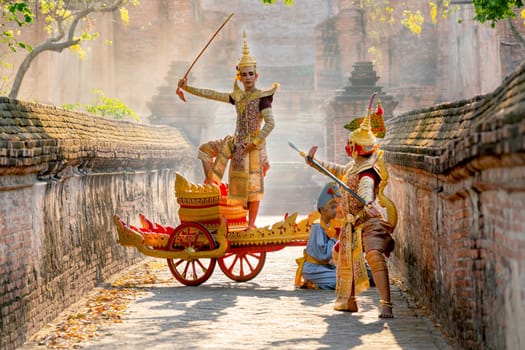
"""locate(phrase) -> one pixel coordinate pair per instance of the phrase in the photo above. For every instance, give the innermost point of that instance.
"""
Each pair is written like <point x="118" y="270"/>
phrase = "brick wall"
<point x="458" y="179"/>
<point x="62" y="177"/>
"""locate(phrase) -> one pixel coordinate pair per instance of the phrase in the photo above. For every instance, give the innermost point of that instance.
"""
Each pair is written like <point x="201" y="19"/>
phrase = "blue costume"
<point x="319" y="247"/>
<point x="318" y="270"/>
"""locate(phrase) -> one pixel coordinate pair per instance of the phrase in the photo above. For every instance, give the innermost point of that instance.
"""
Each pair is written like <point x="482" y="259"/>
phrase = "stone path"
<point x="264" y="313"/>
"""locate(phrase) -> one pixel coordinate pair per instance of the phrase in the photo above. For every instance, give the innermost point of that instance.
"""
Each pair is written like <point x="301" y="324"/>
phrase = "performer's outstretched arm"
<point x="206" y="93"/>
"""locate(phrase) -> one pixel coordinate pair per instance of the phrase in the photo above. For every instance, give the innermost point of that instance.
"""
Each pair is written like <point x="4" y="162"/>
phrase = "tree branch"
<point x="55" y="44"/>
<point x="517" y="35"/>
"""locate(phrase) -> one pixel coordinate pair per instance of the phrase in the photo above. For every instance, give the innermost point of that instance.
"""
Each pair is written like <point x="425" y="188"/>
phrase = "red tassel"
<point x="379" y="110"/>
<point x="180" y="93"/>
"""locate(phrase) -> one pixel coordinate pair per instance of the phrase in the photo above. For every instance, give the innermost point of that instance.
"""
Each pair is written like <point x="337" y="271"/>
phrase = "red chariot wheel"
<point x="194" y="237"/>
<point x="242" y="266"/>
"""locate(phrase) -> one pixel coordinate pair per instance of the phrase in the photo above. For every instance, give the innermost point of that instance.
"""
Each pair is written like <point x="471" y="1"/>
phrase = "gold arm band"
<point x="209" y="94"/>
<point x="269" y="124"/>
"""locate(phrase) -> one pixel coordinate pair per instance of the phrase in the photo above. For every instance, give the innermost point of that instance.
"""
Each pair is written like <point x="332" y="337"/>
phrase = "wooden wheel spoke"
<point x="204" y="268"/>
<point x="247" y="262"/>
<point x="191" y="272"/>
<point x="243" y="266"/>
<point x="185" y="272"/>
<point x="195" y="274"/>
<point x="195" y="239"/>
<point x="236" y="260"/>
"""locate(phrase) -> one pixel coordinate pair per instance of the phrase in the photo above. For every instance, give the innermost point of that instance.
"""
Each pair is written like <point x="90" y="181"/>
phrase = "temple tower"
<point x="349" y="103"/>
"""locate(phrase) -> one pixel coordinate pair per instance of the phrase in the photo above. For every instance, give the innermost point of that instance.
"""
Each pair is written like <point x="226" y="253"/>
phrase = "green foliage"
<point x="68" y="24"/>
<point x="17" y="12"/>
<point x="495" y="10"/>
<point x="105" y="107"/>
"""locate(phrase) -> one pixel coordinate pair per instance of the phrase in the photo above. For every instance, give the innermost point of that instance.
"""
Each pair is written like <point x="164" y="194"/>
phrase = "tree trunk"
<point x="21" y="72"/>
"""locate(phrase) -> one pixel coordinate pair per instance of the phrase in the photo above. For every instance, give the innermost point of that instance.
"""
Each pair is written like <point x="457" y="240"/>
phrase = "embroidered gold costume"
<point x="245" y="150"/>
<point x="364" y="229"/>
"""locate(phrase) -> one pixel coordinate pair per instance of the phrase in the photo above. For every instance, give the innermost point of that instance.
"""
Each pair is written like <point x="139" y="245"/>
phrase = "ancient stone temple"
<point x="352" y="102"/>
<point x="339" y="42"/>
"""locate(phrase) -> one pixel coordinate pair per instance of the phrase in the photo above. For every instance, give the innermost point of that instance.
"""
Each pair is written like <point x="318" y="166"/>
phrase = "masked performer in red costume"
<point x="246" y="149"/>
<point x="364" y="229"/>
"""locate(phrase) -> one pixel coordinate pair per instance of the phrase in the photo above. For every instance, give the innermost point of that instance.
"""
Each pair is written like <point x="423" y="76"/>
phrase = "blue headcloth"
<point x="330" y="191"/>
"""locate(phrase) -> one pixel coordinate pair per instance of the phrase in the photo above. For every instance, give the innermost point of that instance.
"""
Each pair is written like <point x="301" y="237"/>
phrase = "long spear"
<point x="326" y="172"/>
<point x="179" y="91"/>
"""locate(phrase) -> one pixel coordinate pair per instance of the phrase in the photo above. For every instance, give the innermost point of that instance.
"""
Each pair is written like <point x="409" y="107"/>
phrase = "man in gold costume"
<point x="246" y="148"/>
<point x="365" y="228"/>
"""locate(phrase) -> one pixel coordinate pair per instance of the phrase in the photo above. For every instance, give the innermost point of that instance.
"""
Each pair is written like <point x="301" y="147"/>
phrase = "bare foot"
<point x="342" y="304"/>
<point x="386" y="311"/>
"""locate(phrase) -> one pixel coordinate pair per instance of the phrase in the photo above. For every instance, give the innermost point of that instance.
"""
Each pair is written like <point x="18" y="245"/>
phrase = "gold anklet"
<point x="386" y="303"/>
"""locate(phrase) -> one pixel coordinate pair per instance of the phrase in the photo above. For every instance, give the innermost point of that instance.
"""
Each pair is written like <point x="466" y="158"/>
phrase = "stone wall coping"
<point x="439" y="138"/>
<point x="45" y="139"/>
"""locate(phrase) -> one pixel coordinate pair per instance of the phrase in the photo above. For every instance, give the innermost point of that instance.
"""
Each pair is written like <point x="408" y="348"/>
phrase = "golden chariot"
<point x="213" y="229"/>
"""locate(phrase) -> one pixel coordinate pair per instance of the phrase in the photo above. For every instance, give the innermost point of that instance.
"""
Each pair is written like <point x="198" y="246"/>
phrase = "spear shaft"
<point x="325" y="171"/>
<point x="207" y="44"/>
<point x="179" y="91"/>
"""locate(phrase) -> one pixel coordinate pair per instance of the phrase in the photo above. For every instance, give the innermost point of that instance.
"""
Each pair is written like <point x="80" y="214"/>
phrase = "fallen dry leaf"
<point x="104" y="307"/>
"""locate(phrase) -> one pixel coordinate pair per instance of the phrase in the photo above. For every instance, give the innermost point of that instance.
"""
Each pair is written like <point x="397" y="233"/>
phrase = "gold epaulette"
<point x="242" y="98"/>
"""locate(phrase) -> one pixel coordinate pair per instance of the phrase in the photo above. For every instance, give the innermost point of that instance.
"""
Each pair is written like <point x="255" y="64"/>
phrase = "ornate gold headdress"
<point x="365" y="130"/>
<point x="246" y="60"/>
<point x="363" y="135"/>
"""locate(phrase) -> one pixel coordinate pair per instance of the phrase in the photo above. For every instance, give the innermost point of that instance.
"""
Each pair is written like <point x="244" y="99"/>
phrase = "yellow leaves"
<point x="124" y="15"/>
<point x="433" y="12"/>
<point x="389" y="10"/>
<point x="143" y="276"/>
<point x="101" y="309"/>
<point x="413" y="21"/>
<point x="46" y="6"/>
<point x="78" y="50"/>
<point x="64" y="13"/>
<point x="376" y="54"/>
<point x="381" y="13"/>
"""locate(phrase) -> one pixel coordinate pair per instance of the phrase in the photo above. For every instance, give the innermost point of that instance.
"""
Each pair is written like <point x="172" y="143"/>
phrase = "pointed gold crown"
<point x="246" y="60"/>
<point x="363" y="135"/>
